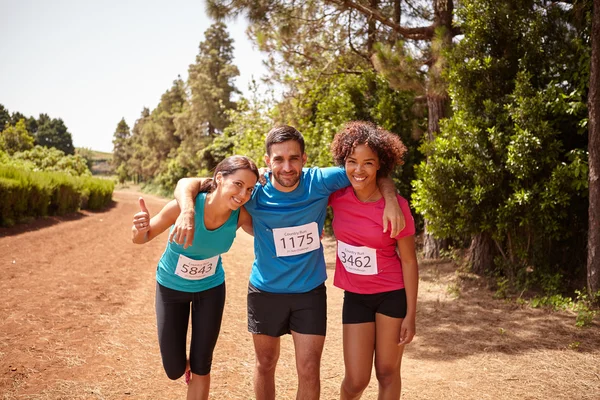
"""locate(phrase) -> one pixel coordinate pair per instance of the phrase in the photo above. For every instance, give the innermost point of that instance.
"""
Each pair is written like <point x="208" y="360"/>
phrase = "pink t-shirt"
<point x="358" y="224"/>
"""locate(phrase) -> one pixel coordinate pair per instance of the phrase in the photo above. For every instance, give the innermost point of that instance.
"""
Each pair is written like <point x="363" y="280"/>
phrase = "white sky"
<point x="93" y="62"/>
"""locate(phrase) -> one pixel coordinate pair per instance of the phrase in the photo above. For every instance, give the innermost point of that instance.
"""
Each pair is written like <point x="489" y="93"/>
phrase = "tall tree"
<point x="211" y="79"/>
<point x="593" y="247"/>
<point x="4" y="117"/>
<point x="121" y="149"/>
<point x="54" y="133"/>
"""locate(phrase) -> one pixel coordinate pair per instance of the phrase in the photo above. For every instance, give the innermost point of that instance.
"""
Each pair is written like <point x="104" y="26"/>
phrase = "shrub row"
<point x="26" y="194"/>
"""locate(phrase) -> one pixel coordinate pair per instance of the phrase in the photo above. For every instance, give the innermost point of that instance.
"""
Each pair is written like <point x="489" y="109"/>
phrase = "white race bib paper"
<point x="357" y="260"/>
<point x="196" y="269"/>
<point x="296" y="239"/>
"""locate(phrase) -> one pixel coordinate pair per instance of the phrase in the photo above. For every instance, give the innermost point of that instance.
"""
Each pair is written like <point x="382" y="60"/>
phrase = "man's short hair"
<point x="283" y="133"/>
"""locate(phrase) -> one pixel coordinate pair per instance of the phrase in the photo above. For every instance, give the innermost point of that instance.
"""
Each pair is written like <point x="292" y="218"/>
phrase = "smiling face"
<point x="361" y="167"/>
<point x="286" y="161"/>
<point x="236" y="188"/>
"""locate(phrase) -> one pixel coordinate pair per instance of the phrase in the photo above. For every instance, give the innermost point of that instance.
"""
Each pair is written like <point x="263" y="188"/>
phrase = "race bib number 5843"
<point x="188" y="268"/>
<point x="296" y="239"/>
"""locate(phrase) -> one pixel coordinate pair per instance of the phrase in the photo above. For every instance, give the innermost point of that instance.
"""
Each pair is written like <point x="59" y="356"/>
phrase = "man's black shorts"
<point x="276" y="314"/>
<point x="360" y="308"/>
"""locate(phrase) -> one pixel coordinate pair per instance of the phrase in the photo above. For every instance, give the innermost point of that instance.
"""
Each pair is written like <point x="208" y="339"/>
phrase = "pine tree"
<point x="121" y="149"/>
<point x="211" y="80"/>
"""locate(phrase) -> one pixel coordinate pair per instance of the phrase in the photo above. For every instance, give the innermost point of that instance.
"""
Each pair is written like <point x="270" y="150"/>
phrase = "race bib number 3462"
<point x="358" y="260"/>
<point x="296" y="239"/>
<point x="188" y="268"/>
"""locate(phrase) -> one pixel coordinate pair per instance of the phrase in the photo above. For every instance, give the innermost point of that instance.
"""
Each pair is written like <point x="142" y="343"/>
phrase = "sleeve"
<point x="409" y="228"/>
<point x="332" y="179"/>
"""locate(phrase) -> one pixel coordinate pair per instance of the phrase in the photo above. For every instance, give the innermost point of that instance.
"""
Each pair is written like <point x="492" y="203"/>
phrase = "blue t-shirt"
<point x="271" y="209"/>
<point x="207" y="244"/>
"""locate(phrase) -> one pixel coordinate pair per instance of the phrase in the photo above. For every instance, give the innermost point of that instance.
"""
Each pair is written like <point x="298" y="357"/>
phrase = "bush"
<point x="32" y="194"/>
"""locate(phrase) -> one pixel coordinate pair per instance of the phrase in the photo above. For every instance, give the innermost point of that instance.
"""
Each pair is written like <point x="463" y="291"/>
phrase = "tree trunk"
<point x="437" y="100"/>
<point x="436" y="106"/>
<point x="593" y="253"/>
<point x="432" y="247"/>
<point x="481" y="253"/>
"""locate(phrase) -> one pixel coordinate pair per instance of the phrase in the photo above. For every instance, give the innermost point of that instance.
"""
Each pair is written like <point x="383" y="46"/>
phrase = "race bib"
<point x="296" y="239"/>
<point x="357" y="260"/>
<point x="196" y="269"/>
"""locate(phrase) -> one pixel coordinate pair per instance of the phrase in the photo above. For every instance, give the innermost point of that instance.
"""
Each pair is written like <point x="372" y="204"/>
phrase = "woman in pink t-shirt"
<point x="379" y="273"/>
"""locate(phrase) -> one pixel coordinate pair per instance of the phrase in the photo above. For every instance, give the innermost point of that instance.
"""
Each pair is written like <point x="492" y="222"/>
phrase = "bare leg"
<point x="198" y="387"/>
<point x="359" y="346"/>
<point x="266" y="349"/>
<point x="388" y="356"/>
<point x="309" y="349"/>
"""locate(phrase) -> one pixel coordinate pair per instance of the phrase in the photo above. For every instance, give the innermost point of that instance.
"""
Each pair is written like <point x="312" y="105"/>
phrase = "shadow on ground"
<point x="45" y="222"/>
<point x="472" y="321"/>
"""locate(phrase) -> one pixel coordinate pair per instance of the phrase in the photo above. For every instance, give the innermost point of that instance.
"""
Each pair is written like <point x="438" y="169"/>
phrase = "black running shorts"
<point x="360" y="308"/>
<point x="276" y="314"/>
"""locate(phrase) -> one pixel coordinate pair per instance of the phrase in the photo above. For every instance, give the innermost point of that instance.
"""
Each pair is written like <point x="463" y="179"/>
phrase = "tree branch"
<point x="418" y="33"/>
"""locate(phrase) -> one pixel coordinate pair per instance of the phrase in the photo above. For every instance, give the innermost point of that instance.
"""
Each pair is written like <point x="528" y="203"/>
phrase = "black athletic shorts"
<point x="276" y="314"/>
<point x="360" y="308"/>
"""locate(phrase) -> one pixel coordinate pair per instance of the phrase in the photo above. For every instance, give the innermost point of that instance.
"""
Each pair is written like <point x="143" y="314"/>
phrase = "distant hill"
<point x="101" y="161"/>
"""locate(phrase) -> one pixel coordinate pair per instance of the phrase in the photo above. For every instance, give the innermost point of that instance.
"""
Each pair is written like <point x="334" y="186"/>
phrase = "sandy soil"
<point x="77" y="322"/>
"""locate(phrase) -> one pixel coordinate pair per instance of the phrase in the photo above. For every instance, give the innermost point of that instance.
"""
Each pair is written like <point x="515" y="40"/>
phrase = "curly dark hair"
<point x="389" y="147"/>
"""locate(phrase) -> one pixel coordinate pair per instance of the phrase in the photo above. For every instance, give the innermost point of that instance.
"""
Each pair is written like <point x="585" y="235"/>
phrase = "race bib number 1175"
<point x="296" y="239"/>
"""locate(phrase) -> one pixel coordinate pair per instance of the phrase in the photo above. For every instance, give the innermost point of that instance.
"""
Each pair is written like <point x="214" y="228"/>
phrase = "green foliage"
<point x="54" y="133"/>
<point x="121" y="149"/>
<point x="509" y="162"/>
<point x="51" y="159"/>
<point x="15" y="138"/>
<point x="26" y="194"/>
<point x="211" y="79"/>
<point x="582" y="305"/>
<point x="87" y="154"/>
<point x="4" y="117"/>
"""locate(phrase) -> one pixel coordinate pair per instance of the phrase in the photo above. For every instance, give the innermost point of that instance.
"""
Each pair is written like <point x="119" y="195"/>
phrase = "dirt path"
<point x="77" y="322"/>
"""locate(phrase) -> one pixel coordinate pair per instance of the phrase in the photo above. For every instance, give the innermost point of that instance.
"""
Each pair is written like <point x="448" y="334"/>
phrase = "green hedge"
<point x="33" y="194"/>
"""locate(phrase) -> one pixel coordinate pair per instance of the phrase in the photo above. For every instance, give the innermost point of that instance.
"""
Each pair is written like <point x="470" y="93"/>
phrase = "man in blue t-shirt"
<point x="286" y="292"/>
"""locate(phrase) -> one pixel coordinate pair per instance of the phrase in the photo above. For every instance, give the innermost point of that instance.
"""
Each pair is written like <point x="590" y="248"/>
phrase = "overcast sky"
<point x="92" y="63"/>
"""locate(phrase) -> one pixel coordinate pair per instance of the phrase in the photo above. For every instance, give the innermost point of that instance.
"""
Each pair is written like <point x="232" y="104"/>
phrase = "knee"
<point x="387" y="374"/>
<point x="266" y="362"/>
<point x="355" y="385"/>
<point x="174" y="372"/>
<point x="309" y="369"/>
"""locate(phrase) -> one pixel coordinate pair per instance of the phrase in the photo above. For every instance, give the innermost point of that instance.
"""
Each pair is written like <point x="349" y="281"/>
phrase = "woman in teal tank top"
<point x="193" y="274"/>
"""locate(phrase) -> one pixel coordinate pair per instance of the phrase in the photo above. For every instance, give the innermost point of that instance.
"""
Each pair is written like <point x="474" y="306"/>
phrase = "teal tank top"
<point x="179" y="268"/>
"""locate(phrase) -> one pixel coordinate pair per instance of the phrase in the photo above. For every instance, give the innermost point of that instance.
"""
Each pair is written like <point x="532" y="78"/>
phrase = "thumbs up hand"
<point x="141" y="220"/>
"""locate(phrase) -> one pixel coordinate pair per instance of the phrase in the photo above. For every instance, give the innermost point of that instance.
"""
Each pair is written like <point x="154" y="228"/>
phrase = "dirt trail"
<point x="77" y="322"/>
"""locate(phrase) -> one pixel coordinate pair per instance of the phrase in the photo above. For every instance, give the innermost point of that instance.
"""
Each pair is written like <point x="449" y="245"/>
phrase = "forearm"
<point x="410" y="272"/>
<point x="186" y="191"/>
<point x="387" y="189"/>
